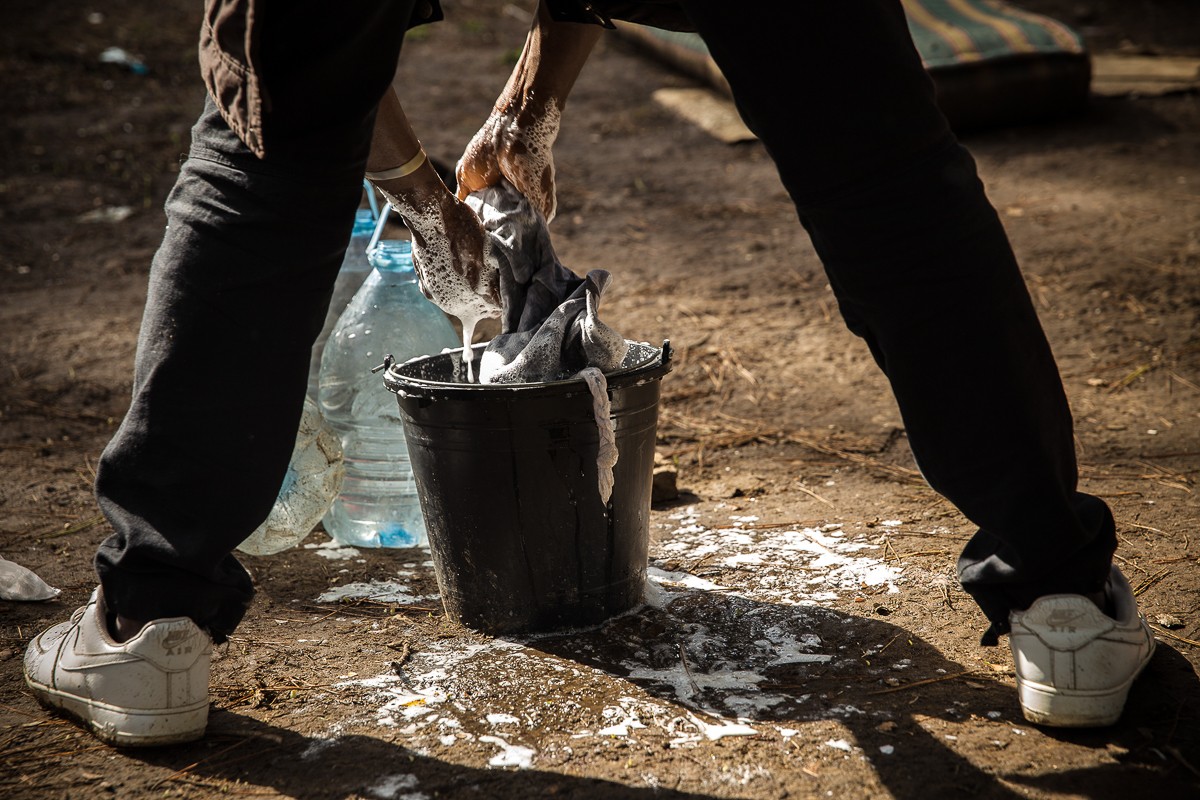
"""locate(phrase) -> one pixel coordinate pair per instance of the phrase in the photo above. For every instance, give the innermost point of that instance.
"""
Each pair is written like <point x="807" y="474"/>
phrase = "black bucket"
<point x="507" y="477"/>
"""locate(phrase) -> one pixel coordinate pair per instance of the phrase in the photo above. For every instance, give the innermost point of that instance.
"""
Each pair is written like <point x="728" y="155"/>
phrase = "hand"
<point x="454" y="257"/>
<point x="518" y="148"/>
<point x="517" y="140"/>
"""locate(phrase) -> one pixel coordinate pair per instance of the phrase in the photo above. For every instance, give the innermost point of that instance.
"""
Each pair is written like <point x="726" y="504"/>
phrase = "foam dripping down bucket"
<point x="508" y="483"/>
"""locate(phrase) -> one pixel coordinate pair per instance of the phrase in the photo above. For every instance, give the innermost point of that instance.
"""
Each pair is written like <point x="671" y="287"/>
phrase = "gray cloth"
<point x="551" y="324"/>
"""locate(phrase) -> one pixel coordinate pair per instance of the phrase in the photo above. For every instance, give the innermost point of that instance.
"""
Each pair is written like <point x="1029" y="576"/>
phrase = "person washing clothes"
<point x="261" y="214"/>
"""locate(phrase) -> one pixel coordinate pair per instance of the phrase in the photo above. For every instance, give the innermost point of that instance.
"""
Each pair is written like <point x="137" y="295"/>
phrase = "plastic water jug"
<point x="355" y="269"/>
<point x="314" y="474"/>
<point x="313" y="480"/>
<point x="378" y="505"/>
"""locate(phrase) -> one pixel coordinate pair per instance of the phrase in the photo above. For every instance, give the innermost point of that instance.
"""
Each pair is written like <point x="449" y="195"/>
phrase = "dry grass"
<point x="693" y="435"/>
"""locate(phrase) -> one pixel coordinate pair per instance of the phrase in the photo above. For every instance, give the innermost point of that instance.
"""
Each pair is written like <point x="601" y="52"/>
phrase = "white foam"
<point x="809" y="565"/>
<point x="468" y="354"/>
<point x="749" y="705"/>
<point x="437" y="696"/>
<point x="317" y="745"/>
<point x="502" y="719"/>
<point x="687" y="682"/>
<point x="654" y="595"/>
<point x="846" y="711"/>
<point x="534" y="168"/>
<point x="510" y="755"/>
<point x="717" y="730"/>
<point x="743" y="558"/>
<point x="789" y="649"/>
<point x="389" y="788"/>
<point x="379" y="591"/>
<point x="334" y="550"/>
<point x="682" y="579"/>
<point x="622" y="719"/>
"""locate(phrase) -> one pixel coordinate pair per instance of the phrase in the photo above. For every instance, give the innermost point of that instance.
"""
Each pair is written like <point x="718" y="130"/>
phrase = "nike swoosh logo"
<point x="175" y="638"/>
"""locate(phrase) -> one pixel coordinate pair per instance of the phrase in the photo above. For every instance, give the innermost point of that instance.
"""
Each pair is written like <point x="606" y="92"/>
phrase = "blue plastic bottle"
<point x="355" y="269"/>
<point x="378" y="504"/>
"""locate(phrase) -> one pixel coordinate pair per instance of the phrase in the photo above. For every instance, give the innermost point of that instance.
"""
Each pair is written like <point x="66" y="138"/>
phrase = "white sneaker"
<point x="150" y="690"/>
<point x="1074" y="663"/>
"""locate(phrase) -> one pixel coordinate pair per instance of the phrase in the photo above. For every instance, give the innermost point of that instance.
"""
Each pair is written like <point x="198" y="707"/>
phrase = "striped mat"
<point x="951" y="33"/>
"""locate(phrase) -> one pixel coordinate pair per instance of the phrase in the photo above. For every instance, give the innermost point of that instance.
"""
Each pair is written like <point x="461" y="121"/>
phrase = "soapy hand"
<point x="454" y="257"/>
<point x="518" y="148"/>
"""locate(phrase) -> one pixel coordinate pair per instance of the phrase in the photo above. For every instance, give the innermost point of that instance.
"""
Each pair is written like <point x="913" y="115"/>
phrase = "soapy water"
<point x="526" y="153"/>
<point x="468" y="328"/>
<point x="496" y="691"/>
<point x="449" y="367"/>
<point x="454" y="294"/>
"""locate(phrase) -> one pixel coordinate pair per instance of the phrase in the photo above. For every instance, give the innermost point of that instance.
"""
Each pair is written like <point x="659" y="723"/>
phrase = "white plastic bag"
<point x="313" y="480"/>
<point x="19" y="583"/>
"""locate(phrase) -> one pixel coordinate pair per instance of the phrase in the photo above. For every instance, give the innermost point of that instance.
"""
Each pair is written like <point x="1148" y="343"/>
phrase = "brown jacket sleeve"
<point x="229" y="63"/>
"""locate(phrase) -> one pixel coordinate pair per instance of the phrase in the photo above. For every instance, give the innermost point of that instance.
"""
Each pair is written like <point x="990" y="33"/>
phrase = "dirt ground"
<point x="804" y="635"/>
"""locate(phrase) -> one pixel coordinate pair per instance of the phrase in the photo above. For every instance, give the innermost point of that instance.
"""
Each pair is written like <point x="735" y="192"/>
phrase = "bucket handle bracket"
<point x="388" y="360"/>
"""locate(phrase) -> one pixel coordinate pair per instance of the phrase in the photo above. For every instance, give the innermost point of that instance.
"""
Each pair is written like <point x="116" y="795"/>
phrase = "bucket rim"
<point x="653" y="367"/>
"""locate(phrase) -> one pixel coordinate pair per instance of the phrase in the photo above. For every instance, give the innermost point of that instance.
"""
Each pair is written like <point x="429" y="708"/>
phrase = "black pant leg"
<point x="238" y="293"/>
<point x="923" y="271"/>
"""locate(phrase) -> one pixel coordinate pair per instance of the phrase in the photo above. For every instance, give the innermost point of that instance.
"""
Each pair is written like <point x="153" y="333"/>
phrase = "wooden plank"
<point x="711" y="112"/>
<point x="1117" y="75"/>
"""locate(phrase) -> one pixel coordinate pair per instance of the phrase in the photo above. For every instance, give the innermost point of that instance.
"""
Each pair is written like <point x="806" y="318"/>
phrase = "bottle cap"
<point x="364" y="222"/>
<point x="391" y="255"/>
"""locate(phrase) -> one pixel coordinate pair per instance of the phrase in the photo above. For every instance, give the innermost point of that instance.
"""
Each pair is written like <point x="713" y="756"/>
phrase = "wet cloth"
<point x="551" y="328"/>
<point x="551" y="325"/>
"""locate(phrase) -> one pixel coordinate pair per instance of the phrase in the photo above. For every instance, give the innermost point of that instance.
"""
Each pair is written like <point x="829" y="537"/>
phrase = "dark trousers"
<point x="916" y="255"/>
<point x="238" y="293"/>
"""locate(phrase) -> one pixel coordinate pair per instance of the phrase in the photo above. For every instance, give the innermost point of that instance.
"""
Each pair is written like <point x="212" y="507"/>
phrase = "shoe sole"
<point x="123" y="727"/>
<point x="1057" y="708"/>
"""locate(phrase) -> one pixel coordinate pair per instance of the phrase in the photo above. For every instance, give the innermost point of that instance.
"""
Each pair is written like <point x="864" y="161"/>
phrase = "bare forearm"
<point x="554" y="55"/>
<point x="397" y="164"/>
<point x="517" y="140"/>
<point x="394" y="141"/>
<point x="448" y="239"/>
